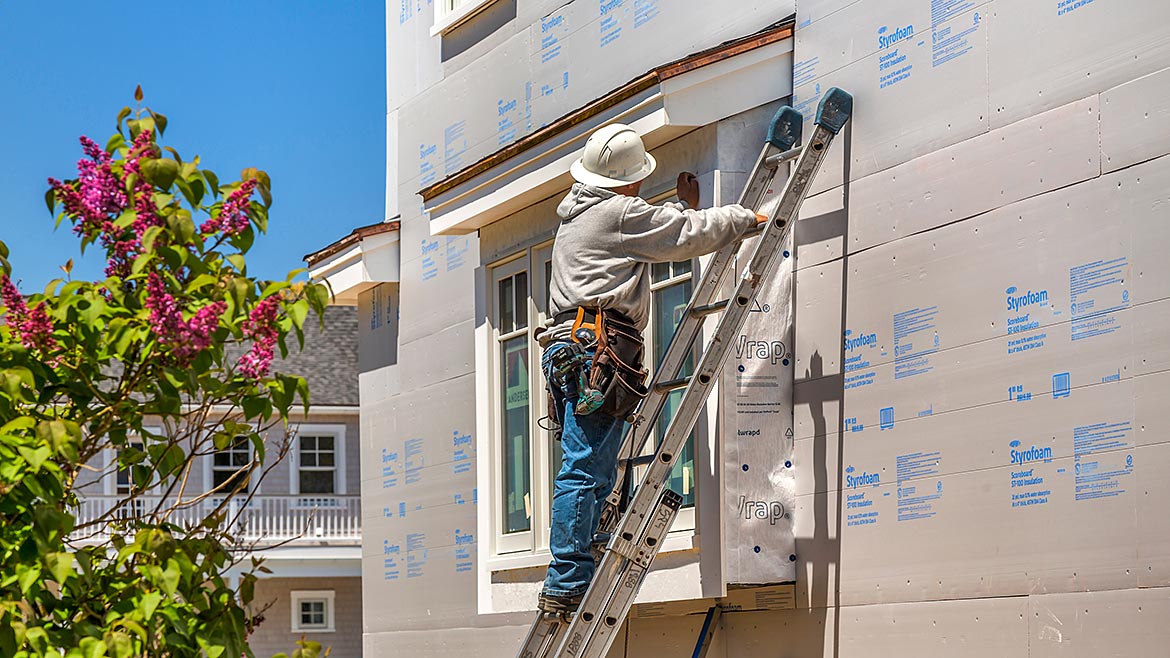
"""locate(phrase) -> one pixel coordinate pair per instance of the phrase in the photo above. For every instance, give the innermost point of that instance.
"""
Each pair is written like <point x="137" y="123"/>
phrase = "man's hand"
<point x="688" y="189"/>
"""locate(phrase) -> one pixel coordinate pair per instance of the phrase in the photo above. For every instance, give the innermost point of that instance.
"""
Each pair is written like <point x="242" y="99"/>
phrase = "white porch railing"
<point x="266" y="519"/>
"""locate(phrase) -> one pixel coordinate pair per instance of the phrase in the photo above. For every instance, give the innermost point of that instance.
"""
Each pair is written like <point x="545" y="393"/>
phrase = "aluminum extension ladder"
<point x="636" y="535"/>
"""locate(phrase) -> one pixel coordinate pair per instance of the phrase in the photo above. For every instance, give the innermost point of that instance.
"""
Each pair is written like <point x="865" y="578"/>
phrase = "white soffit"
<point x="361" y="265"/>
<point x="677" y="105"/>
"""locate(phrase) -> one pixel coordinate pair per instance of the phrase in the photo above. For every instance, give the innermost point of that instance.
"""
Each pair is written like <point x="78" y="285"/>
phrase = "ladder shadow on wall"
<point x="819" y="554"/>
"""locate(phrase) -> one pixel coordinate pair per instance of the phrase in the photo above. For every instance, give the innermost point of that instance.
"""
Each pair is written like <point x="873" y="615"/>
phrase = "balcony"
<point x="266" y="520"/>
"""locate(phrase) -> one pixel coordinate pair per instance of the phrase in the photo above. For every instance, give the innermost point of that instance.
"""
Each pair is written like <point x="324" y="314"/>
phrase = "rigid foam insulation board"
<point x="420" y="501"/>
<point x="1135" y="121"/>
<point x="378" y="318"/>
<point x="1003" y="61"/>
<point x="1045" y="54"/>
<point x="1086" y="625"/>
<point x="919" y="81"/>
<point x="560" y="62"/>
<point x="1065" y="398"/>
<point x="1032" y="156"/>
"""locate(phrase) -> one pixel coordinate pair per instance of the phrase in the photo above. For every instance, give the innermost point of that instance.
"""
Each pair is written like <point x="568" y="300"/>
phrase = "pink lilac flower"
<point x="184" y="339"/>
<point x="233" y="215"/>
<point x="32" y="325"/>
<point x="98" y="198"/>
<point x="261" y="328"/>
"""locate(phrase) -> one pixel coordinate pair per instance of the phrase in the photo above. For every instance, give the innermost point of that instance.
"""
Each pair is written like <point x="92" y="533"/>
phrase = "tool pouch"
<point x="617" y="365"/>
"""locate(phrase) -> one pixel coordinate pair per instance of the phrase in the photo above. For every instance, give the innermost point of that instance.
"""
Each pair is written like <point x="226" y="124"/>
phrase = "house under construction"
<point x="942" y="431"/>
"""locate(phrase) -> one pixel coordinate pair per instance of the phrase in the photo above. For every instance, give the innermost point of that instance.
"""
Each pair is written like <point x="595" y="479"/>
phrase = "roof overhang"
<point x="361" y="260"/>
<point x="662" y="105"/>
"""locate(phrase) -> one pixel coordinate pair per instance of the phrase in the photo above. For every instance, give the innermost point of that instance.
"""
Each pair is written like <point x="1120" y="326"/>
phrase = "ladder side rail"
<point x="606" y="597"/>
<point x="588" y="635"/>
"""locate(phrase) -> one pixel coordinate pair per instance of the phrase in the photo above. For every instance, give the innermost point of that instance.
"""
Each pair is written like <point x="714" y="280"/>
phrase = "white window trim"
<point x="516" y="542"/>
<point x="327" y="595"/>
<point x="447" y="20"/>
<point x="337" y="431"/>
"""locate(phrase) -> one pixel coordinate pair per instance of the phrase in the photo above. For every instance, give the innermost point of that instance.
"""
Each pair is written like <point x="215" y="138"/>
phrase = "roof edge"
<point x="738" y="46"/>
<point x="357" y="235"/>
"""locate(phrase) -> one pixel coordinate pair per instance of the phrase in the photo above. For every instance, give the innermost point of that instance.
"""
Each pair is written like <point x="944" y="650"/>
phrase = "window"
<point x="229" y="467"/>
<point x="312" y="611"/>
<point x="525" y="460"/>
<point x="318" y="460"/>
<point x="671" y="287"/>
<point x="450" y="13"/>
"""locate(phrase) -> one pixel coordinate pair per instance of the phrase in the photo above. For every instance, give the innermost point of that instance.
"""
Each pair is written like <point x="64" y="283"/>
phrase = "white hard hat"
<point x="614" y="156"/>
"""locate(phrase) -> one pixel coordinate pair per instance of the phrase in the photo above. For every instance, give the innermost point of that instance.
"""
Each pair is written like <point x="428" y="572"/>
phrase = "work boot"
<point x="559" y="605"/>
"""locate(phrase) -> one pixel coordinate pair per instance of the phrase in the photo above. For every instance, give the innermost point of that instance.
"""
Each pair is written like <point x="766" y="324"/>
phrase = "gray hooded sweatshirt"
<point x="606" y="242"/>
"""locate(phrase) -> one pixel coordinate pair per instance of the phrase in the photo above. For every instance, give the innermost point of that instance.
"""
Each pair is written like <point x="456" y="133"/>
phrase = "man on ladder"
<point x="600" y="299"/>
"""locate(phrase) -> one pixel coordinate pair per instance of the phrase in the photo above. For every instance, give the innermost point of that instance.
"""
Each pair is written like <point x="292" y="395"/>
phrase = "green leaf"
<point x="170" y="577"/>
<point x="200" y="282"/>
<point x="60" y="565"/>
<point x="258" y="444"/>
<point x="138" y="93"/>
<point x="150" y="236"/>
<point x="212" y="182"/>
<point x="298" y="311"/>
<point x="26" y="575"/>
<point x="161" y="120"/>
<point x="125" y="112"/>
<point x="35" y="457"/>
<point x="238" y="289"/>
<point x="91" y="647"/>
<point x="160" y="172"/>
<point x="50" y="202"/>
<point x="149" y="603"/>
<point x="116" y="141"/>
<point x="121" y="644"/>
<point x="318" y="296"/>
<point x="237" y="261"/>
<point x="127" y="218"/>
<point x="193" y="190"/>
<point x="181" y="225"/>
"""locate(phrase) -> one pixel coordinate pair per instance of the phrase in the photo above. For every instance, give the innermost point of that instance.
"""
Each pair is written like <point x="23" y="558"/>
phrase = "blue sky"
<point x="296" y="88"/>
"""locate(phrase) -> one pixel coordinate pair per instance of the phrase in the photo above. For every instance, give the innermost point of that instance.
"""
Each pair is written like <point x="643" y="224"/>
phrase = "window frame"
<point x="522" y="541"/>
<point x="209" y="473"/>
<point x="516" y="549"/>
<point x="337" y="431"/>
<point x="449" y="18"/>
<point x="297" y="597"/>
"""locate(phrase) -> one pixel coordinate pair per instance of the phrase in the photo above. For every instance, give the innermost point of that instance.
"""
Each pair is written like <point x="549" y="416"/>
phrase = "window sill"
<point x="315" y="630"/>
<point x="676" y="542"/>
<point x="456" y="18"/>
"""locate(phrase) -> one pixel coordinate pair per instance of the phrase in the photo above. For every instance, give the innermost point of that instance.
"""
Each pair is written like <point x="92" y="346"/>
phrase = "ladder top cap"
<point x="784" y="131"/>
<point x="834" y="110"/>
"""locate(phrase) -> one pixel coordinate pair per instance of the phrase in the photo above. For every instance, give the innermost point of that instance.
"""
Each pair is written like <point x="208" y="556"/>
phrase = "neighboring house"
<point x="305" y="516"/>
<point x="966" y="476"/>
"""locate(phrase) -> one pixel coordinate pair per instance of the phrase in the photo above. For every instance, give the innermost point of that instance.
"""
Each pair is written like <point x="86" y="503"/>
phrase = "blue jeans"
<point x="588" y="470"/>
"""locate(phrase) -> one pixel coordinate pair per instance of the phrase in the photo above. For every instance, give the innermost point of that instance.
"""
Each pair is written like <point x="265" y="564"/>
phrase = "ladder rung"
<point x="708" y="309"/>
<point x="672" y="384"/>
<point x="640" y="461"/>
<point x="773" y="161"/>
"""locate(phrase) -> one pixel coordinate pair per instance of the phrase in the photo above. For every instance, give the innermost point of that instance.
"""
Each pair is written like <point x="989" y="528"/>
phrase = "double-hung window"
<point x="526" y="458"/>
<point x="318" y="461"/>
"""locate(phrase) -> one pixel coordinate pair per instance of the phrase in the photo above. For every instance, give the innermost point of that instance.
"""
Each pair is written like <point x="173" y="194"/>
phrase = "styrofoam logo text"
<point x="863" y="480"/>
<point x="864" y="340"/>
<point x="1017" y="300"/>
<point x="888" y="37"/>
<point x="1032" y="454"/>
